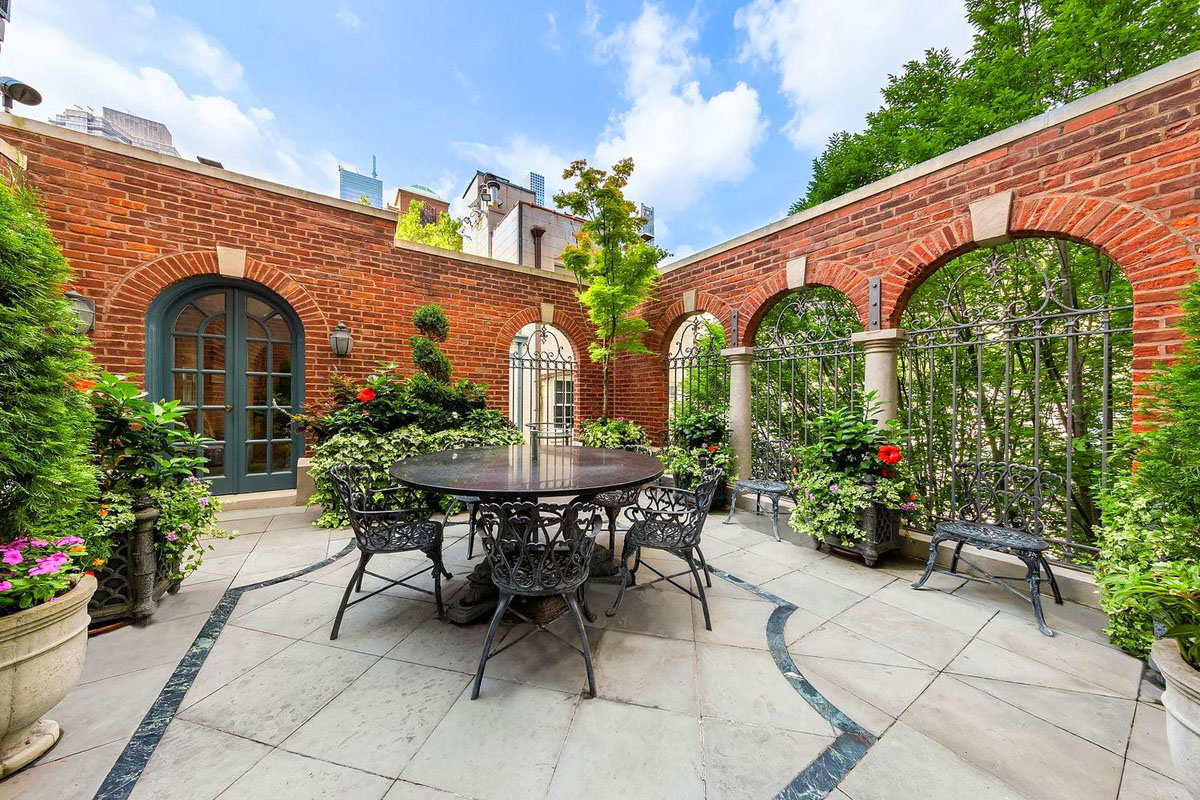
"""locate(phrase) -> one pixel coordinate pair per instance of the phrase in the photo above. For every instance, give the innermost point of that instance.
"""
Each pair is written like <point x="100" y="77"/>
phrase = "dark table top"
<point x="509" y="472"/>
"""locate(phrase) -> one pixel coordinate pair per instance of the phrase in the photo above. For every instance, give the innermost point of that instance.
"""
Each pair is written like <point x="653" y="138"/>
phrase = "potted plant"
<point x="698" y="440"/>
<point x="46" y="477"/>
<point x="1169" y="593"/>
<point x="605" y="432"/>
<point x="849" y="486"/>
<point x="153" y="509"/>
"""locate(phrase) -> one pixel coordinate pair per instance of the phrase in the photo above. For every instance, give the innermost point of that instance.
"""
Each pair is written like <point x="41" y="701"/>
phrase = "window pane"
<point x="281" y="358"/>
<point x="254" y="330"/>
<point x="214" y="354"/>
<point x="216" y="460"/>
<point x="215" y="326"/>
<point x="214" y="423"/>
<point x="256" y="424"/>
<point x="283" y="389"/>
<point x="214" y="389"/>
<point x="257" y="308"/>
<point x="256" y="390"/>
<point x="281" y="456"/>
<point x="256" y="356"/>
<point x="256" y="458"/>
<point x="185" y="388"/>
<point x="185" y="352"/>
<point x="211" y="303"/>
<point x="189" y="320"/>
<point x="280" y="424"/>
<point x="278" y="329"/>
<point x="189" y="419"/>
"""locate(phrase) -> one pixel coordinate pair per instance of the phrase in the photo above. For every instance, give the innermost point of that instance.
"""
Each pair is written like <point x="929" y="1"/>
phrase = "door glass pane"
<point x="281" y="456"/>
<point x="211" y="304"/>
<point x="281" y="358"/>
<point x="278" y="329"/>
<point x="283" y="389"/>
<point x="257" y="308"/>
<point x="185" y="388"/>
<point x="185" y="352"/>
<point x="189" y="419"/>
<point x="254" y="330"/>
<point x="214" y="389"/>
<point x="215" y="326"/>
<point x="256" y="356"/>
<point x="256" y="424"/>
<point x="189" y="320"/>
<point x="216" y="460"/>
<point x="256" y="390"/>
<point x="214" y="354"/>
<point x="214" y="423"/>
<point x="280" y="423"/>
<point x="256" y="458"/>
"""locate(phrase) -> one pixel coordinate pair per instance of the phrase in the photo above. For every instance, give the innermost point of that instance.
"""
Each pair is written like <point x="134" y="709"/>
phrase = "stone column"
<point x="882" y="350"/>
<point x="741" y="361"/>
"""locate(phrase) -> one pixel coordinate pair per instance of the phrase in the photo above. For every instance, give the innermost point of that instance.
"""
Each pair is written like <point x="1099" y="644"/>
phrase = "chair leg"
<point x="583" y="603"/>
<point x="573" y="602"/>
<point x="929" y="565"/>
<point x="704" y="567"/>
<point x="365" y="558"/>
<point x="757" y="504"/>
<point x="775" y="517"/>
<point x="356" y="578"/>
<point x="954" y="558"/>
<point x="453" y="504"/>
<point x="1053" y="581"/>
<point x="472" y="516"/>
<point x="691" y="562"/>
<point x="501" y="607"/>
<point x="438" y="570"/>
<point x="732" y="506"/>
<point x="625" y="579"/>
<point x="1033" y="577"/>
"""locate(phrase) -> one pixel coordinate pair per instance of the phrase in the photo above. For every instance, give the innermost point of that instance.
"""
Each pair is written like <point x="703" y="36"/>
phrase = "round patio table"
<point x="501" y="474"/>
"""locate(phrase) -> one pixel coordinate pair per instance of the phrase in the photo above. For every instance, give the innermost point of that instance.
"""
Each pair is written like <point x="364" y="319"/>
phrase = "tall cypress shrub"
<point x="45" y="421"/>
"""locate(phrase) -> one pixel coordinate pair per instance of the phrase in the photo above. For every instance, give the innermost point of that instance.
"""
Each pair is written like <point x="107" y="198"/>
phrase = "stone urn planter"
<point x="42" y="650"/>
<point x="881" y="532"/>
<point x="1182" y="702"/>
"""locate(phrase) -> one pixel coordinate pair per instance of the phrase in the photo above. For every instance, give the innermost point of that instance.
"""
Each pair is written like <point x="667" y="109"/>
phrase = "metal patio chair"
<point x="539" y="550"/>
<point x="775" y="466"/>
<point x="471" y="504"/>
<point x="612" y="502"/>
<point x="381" y="524"/>
<point x="670" y="520"/>
<point x="999" y="508"/>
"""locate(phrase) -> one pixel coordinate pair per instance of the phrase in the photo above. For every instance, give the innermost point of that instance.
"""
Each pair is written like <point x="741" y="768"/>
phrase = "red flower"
<point x="890" y="454"/>
<point x="712" y="448"/>
<point x="887" y="473"/>
<point x="366" y="394"/>
<point x="82" y="385"/>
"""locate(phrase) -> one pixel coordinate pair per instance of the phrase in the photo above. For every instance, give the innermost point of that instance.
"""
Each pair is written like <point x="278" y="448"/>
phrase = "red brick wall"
<point x="132" y="227"/>
<point x="1124" y="177"/>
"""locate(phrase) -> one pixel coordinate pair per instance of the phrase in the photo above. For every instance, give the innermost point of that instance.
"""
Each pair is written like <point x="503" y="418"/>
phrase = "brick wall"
<point x="132" y="224"/>
<point x="1122" y="175"/>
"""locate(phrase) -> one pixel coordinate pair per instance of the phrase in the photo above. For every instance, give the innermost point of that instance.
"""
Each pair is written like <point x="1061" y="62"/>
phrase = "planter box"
<point x="131" y="582"/>
<point x="881" y="528"/>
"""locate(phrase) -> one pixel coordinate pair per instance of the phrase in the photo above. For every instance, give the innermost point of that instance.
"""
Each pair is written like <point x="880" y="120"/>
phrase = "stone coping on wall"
<point x="1049" y="119"/>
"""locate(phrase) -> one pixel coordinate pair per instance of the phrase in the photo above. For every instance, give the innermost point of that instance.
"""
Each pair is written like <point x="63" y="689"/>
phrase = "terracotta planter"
<point x="42" y="650"/>
<point x="1182" y="702"/>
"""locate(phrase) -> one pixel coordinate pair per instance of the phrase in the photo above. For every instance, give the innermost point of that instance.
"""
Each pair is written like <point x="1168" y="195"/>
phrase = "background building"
<point x="434" y="205"/>
<point x="119" y="126"/>
<point x="505" y="221"/>
<point x="354" y="186"/>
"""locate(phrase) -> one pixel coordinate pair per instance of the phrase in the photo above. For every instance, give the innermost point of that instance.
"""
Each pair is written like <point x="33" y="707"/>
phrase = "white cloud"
<point x="73" y="62"/>
<point x="552" y="31"/>
<point x="832" y="57"/>
<point x="347" y="17"/>
<point x="682" y="142"/>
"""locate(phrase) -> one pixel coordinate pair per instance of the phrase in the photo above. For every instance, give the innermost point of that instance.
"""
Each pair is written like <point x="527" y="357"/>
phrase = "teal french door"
<point x="234" y="355"/>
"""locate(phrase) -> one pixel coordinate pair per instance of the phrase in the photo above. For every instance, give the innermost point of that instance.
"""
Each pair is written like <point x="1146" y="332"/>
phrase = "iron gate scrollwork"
<point x="804" y="363"/>
<point x="698" y="375"/>
<point x="1020" y="354"/>
<point x="541" y="380"/>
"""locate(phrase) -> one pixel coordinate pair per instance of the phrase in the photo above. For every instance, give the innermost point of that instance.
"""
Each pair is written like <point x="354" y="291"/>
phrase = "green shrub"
<point x="45" y="423"/>
<point x="604" y="432"/>
<point x="698" y="428"/>
<point x="686" y="464"/>
<point x="430" y="359"/>
<point x="431" y="321"/>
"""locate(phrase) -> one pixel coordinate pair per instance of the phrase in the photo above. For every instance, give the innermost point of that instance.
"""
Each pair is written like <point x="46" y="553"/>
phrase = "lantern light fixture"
<point x="340" y="341"/>
<point x="85" y="311"/>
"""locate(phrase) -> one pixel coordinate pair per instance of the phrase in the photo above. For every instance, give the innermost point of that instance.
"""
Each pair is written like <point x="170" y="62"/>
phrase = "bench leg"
<point x="954" y="559"/>
<point x="1053" y="581"/>
<point x="933" y="545"/>
<point x="1033" y="577"/>
<point x="775" y="516"/>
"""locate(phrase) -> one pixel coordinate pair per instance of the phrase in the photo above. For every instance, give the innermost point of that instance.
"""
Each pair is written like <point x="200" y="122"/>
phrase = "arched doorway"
<point x="541" y="380"/>
<point x="234" y="352"/>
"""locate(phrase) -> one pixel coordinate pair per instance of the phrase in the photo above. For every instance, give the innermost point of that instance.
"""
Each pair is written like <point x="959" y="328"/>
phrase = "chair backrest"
<point x="378" y="517"/>
<point x="1003" y="493"/>
<point x="539" y="548"/>
<point x="677" y="530"/>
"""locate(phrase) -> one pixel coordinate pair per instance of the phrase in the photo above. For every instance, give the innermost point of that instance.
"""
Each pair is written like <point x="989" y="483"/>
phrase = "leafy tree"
<point x="415" y="225"/>
<point x="1027" y="56"/>
<point x="45" y="418"/>
<point x="619" y="268"/>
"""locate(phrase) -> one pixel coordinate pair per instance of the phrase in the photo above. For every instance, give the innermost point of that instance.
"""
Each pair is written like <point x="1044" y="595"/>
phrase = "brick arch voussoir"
<point x="575" y="331"/>
<point x="675" y="315"/>
<point x="923" y="258"/>
<point x="847" y="280"/>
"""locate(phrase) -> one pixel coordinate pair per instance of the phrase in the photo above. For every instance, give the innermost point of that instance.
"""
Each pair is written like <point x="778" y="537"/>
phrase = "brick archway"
<point x="674" y="315"/>
<point x="587" y="372"/>
<point x="846" y="280"/>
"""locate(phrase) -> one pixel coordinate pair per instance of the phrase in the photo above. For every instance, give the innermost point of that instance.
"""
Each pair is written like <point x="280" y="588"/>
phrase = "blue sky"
<point x="722" y="104"/>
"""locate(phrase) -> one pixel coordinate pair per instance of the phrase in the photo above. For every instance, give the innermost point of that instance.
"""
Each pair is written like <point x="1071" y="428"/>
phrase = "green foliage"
<point x="1168" y="593"/>
<point x="45" y="425"/>
<point x="1028" y="56"/>
<point x="141" y="444"/>
<point x="431" y="321"/>
<point x="686" y="464"/>
<point x="430" y="359"/>
<point x="698" y="427"/>
<point x="602" y="432"/>
<point x="704" y="382"/>
<point x="619" y="268"/>
<point x="415" y="225"/>
<point x="379" y="450"/>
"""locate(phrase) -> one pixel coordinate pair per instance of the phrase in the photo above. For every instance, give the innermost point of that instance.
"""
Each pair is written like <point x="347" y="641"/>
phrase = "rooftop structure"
<point x="119" y="126"/>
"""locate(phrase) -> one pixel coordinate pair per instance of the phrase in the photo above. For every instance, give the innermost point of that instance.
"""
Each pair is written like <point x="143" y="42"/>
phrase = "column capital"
<point x="885" y="339"/>
<point x="738" y="353"/>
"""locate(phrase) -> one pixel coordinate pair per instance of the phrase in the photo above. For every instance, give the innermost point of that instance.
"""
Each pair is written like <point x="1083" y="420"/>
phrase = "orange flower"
<point x="366" y="394"/>
<point x="103" y="509"/>
<point x="82" y="385"/>
<point x="99" y="562"/>
<point x="78" y="548"/>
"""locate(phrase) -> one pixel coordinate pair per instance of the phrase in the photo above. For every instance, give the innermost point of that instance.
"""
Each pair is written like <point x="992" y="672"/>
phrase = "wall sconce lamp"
<point x="85" y="311"/>
<point x="340" y="341"/>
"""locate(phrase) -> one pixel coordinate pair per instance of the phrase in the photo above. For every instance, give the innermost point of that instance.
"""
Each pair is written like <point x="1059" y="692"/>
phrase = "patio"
<point x="966" y="697"/>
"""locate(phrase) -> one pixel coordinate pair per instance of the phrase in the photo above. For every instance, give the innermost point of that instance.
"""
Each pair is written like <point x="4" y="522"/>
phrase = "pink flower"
<point x="38" y="543"/>
<point x="172" y="536"/>
<point x="67" y="541"/>
<point x="203" y="502"/>
<point x="908" y="506"/>
<point x="5" y="586"/>
<point x="46" y="566"/>
<point x="11" y="556"/>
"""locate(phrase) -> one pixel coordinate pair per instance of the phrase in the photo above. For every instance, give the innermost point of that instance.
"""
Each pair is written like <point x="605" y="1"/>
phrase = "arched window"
<point x="1020" y="354"/>
<point x="541" y="381"/>
<point x="697" y="373"/>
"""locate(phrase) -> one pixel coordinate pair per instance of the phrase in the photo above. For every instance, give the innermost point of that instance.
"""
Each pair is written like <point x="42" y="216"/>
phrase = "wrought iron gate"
<point x="1012" y="363"/>
<point x="804" y="363"/>
<point x="697" y="373"/>
<point x="541" y="381"/>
